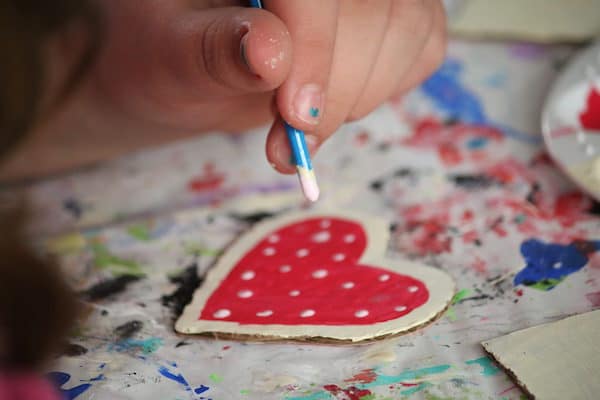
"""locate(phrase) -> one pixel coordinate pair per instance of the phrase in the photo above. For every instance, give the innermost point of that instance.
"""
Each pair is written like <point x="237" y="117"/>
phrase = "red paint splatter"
<point x="226" y="347"/>
<point x="364" y="376"/>
<point x="593" y="298"/>
<point x="519" y="292"/>
<point x="361" y="139"/>
<point x="451" y="141"/>
<point x="479" y="265"/>
<point x="449" y="154"/>
<point x="409" y="384"/>
<point x="470" y="236"/>
<point x="209" y="180"/>
<point x="590" y="117"/>
<point x="353" y="393"/>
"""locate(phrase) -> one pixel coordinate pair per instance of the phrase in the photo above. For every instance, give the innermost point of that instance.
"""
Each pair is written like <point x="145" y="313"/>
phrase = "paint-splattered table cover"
<point x="458" y="169"/>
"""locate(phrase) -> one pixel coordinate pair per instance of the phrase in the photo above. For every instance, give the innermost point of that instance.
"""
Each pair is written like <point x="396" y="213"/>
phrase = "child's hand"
<point x="349" y="56"/>
<point x="172" y="68"/>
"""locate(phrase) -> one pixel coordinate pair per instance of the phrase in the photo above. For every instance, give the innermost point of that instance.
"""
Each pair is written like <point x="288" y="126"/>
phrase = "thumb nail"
<point x="243" y="54"/>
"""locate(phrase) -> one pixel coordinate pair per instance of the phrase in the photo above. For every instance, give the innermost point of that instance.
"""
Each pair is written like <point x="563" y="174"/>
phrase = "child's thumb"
<point x="232" y="51"/>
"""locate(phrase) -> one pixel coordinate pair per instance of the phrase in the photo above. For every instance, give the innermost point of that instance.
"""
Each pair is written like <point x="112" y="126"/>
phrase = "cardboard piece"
<point x="559" y="360"/>
<point x="315" y="276"/>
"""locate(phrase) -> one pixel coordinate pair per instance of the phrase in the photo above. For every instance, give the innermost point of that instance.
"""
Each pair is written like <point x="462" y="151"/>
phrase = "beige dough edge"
<point x="440" y="285"/>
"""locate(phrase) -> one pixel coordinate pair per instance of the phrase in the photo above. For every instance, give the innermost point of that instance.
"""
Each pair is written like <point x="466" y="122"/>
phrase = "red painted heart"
<point x="307" y="273"/>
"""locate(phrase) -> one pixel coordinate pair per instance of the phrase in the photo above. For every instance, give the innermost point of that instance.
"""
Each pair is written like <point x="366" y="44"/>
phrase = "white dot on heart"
<point x="361" y="313"/>
<point x="274" y="238"/>
<point x="319" y="274"/>
<point x="348" y="285"/>
<point x="245" y="294"/>
<point x="325" y="223"/>
<point x="265" y="313"/>
<point x="384" y="277"/>
<point x="339" y="257"/>
<point x="412" y="289"/>
<point x="349" y="238"/>
<point x="302" y="253"/>
<point x="557" y="265"/>
<point x="285" y="269"/>
<point x="269" y="251"/>
<point x="247" y="275"/>
<point x="400" y="308"/>
<point x="222" y="313"/>
<point x="321" y="237"/>
<point x="307" y="313"/>
<point x="294" y="293"/>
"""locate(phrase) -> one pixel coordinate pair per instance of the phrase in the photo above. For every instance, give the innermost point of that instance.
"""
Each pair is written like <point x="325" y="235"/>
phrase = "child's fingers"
<point x="312" y="25"/>
<point x="278" y="149"/>
<point x="165" y="65"/>
<point x="432" y="55"/>
<point x="411" y="23"/>
<point x="230" y="51"/>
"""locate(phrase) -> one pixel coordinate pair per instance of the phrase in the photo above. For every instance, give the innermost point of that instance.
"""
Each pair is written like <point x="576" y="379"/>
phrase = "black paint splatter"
<point x="73" y="207"/>
<point x="376" y="185"/>
<point x="253" y="218"/>
<point x="181" y="344"/>
<point x="472" y="181"/>
<point x="108" y="288"/>
<point x="128" y="329"/>
<point x="594" y="209"/>
<point x="531" y="196"/>
<point x="74" y="350"/>
<point x="188" y="281"/>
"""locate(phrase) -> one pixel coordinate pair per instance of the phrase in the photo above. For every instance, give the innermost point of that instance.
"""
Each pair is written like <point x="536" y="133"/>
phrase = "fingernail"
<point x="243" y="43"/>
<point x="281" y="156"/>
<point x="308" y="104"/>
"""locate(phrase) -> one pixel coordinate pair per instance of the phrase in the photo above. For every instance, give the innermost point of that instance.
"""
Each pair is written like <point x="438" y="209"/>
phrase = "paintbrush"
<point x="300" y="153"/>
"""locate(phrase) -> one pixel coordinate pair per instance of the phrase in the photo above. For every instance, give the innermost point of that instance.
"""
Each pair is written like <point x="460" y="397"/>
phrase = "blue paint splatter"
<point x="449" y="95"/>
<point x="164" y="371"/>
<point x="547" y="264"/>
<point x="147" y="346"/>
<point x="179" y="378"/>
<point x="60" y="378"/>
<point x="477" y="143"/>
<point x="201" y="389"/>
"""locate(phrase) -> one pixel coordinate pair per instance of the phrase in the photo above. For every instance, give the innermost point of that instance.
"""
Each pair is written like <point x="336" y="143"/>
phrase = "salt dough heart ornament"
<point x="320" y="277"/>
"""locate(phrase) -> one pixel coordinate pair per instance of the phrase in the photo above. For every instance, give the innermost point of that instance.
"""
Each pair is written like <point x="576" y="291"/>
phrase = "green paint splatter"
<point x="460" y="295"/>
<point x="368" y="397"/>
<point x="519" y="219"/>
<point x="244" y="391"/>
<point x="140" y="232"/>
<point x="200" y="250"/>
<point x="215" y="378"/>
<point x="117" y="266"/>
<point x="314" y="112"/>
<point x="486" y="363"/>
<point x="546" y="284"/>
<point x="451" y="314"/>
<point x="429" y="396"/>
